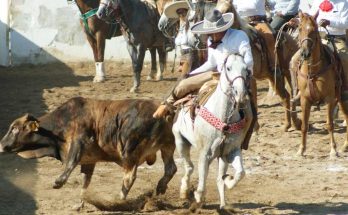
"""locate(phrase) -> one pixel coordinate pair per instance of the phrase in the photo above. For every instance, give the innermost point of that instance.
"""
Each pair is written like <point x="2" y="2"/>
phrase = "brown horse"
<point x="318" y="79"/>
<point x="97" y="31"/>
<point x="287" y="48"/>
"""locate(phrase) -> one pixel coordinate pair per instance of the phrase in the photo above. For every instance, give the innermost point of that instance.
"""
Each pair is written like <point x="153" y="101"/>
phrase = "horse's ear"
<point x="316" y="15"/>
<point x="300" y="14"/>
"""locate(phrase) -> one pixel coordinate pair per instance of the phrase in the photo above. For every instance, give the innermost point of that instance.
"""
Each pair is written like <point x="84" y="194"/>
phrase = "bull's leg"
<point x="74" y="158"/>
<point x="162" y="55"/>
<point x="87" y="171"/>
<point x="167" y="153"/>
<point x="330" y="128"/>
<point x="237" y="163"/>
<point x="220" y="181"/>
<point x="306" y="107"/>
<point x="137" y="54"/>
<point x="151" y="76"/>
<point x="128" y="181"/>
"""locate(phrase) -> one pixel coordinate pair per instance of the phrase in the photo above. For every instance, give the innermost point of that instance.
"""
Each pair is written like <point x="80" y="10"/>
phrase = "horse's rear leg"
<point x="236" y="159"/>
<point x="137" y="54"/>
<point x="330" y="127"/>
<point x="306" y="107"/>
<point x="183" y="148"/>
<point x="129" y="177"/>
<point x="87" y="171"/>
<point x="151" y="76"/>
<point x="253" y="86"/>
<point x="162" y="55"/>
<point x="167" y="153"/>
<point x="344" y="107"/>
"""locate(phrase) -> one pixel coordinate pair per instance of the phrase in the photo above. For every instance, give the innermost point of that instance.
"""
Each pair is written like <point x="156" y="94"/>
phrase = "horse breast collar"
<point x="218" y="124"/>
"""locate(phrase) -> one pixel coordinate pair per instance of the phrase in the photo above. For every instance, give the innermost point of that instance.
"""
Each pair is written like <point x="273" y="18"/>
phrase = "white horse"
<point x="218" y="130"/>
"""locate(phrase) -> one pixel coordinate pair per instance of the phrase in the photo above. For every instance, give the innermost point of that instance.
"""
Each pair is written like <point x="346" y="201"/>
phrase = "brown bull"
<point x="85" y="131"/>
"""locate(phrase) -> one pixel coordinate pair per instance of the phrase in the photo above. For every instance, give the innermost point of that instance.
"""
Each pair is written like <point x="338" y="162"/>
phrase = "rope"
<point x="174" y="61"/>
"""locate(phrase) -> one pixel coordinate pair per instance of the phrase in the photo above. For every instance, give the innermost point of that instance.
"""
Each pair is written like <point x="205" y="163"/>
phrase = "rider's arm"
<point x="340" y="21"/>
<point x="245" y="51"/>
<point x="292" y="8"/>
<point x="209" y="65"/>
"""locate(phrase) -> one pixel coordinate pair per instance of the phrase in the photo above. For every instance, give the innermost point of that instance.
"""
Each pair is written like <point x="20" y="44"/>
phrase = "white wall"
<point x="44" y="31"/>
<point x="4" y="33"/>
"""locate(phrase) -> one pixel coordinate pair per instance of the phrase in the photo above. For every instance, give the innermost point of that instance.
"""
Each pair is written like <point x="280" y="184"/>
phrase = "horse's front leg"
<point x="137" y="54"/>
<point x="162" y="55"/>
<point x="151" y="76"/>
<point x="306" y="107"/>
<point x="236" y="159"/>
<point x="220" y="181"/>
<point x="98" y="47"/>
<point x="330" y="127"/>
<point x="253" y="86"/>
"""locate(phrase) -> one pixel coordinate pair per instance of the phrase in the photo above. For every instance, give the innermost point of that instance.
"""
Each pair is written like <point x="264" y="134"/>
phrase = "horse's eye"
<point x="228" y="69"/>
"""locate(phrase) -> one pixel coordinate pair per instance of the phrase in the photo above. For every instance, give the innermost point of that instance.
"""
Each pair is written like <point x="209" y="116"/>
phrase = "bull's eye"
<point x="15" y="130"/>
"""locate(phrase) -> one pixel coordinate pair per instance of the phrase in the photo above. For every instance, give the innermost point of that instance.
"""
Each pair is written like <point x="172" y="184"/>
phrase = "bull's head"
<point x="23" y="138"/>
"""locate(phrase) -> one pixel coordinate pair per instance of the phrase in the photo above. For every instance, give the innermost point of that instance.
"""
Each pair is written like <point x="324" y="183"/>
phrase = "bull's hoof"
<point x="195" y="206"/>
<point x="134" y="90"/>
<point x="161" y="189"/>
<point x="98" y="79"/>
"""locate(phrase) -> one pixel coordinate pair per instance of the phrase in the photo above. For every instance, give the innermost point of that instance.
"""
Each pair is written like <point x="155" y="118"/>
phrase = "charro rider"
<point x="222" y="41"/>
<point x="254" y="12"/>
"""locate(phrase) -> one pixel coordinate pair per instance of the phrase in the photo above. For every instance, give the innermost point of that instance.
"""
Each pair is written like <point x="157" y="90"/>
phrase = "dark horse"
<point x="138" y="20"/>
<point x="97" y="31"/>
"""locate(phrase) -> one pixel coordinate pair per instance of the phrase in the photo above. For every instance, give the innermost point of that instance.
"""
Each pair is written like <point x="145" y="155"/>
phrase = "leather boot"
<point x="161" y="112"/>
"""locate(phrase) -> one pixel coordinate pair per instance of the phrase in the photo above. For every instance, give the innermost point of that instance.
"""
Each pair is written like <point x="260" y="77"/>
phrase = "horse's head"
<point x="308" y="34"/>
<point x="233" y="78"/>
<point x="108" y="9"/>
<point x="169" y="26"/>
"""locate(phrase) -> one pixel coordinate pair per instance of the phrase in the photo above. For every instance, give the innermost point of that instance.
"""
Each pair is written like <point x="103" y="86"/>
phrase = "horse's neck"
<point x="220" y="104"/>
<point x="316" y="57"/>
<point x="84" y="7"/>
<point x="127" y="8"/>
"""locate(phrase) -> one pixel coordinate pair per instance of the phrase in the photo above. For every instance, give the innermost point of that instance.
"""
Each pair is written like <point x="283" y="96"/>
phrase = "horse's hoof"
<point x="333" y="155"/>
<point x="122" y="196"/>
<point x="194" y="206"/>
<point x="159" y="77"/>
<point x="134" y="90"/>
<point x="300" y="153"/>
<point x="184" y="194"/>
<point x="150" y="78"/>
<point x="344" y="148"/>
<point x="286" y="127"/>
<point x="57" y="185"/>
<point x="98" y="79"/>
<point x="78" y="206"/>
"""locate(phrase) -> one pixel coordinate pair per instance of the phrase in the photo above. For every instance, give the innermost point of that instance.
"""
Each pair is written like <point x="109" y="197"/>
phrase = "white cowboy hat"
<point x="214" y="22"/>
<point x="171" y="8"/>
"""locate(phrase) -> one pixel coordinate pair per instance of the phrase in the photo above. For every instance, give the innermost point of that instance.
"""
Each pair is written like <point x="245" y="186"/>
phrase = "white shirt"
<point x="286" y="7"/>
<point x="234" y="42"/>
<point x="305" y="6"/>
<point x="247" y="8"/>
<point x="338" y="16"/>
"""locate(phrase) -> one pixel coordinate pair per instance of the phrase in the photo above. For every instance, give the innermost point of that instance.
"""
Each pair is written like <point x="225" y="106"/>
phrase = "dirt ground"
<point x="277" y="182"/>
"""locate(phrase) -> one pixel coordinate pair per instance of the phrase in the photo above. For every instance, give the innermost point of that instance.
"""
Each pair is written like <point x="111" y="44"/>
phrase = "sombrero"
<point x="214" y="22"/>
<point x="171" y="8"/>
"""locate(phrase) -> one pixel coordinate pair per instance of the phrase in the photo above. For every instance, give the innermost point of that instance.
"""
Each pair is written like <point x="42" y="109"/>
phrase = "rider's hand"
<point x="293" y="22"/>
<point x="324" y="23"/>
<point x="278" y="13"/>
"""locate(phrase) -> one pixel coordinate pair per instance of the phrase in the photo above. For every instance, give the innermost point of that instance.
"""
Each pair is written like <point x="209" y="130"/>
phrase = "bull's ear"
<point x="34" y="125"/>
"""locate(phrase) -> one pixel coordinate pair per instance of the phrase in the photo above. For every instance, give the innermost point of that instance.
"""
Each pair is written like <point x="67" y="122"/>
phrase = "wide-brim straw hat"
<point x="171" y="8"/>
<point x="214" y="22"/>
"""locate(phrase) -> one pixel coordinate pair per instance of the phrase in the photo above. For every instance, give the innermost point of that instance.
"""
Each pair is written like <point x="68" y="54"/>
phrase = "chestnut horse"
<point x="318" y="79"/>
<point x="97" y="31"/>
